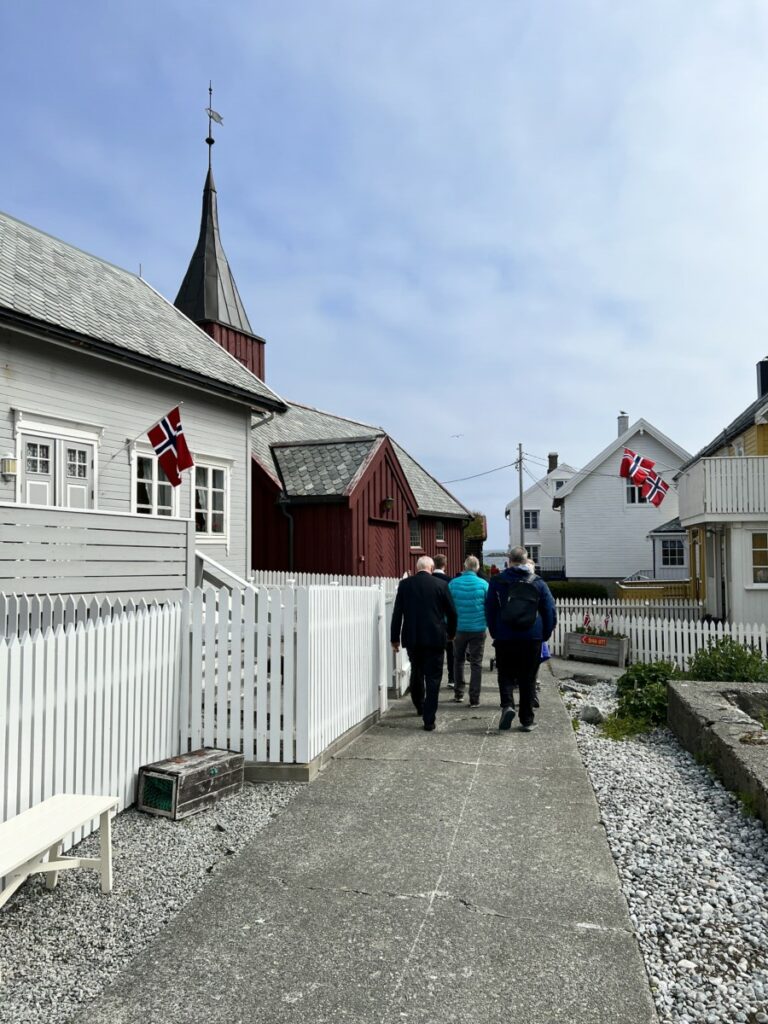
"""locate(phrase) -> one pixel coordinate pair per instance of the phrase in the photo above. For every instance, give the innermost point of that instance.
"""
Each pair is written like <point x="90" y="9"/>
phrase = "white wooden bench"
<point x="27" y="838"/>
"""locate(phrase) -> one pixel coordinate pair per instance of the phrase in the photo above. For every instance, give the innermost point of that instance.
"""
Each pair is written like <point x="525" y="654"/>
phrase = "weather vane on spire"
<point x="212" y="116"/>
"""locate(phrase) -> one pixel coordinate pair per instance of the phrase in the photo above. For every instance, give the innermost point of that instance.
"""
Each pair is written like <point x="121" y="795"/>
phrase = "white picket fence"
<point x="84" y="705"/>
<point x="267" y="578"/>
<point x="26" y="613"/>
<point x="280" y="673"/>
<point x="653" y="639"/>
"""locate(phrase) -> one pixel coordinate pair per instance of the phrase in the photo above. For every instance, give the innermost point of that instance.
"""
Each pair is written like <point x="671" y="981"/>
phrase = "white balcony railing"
<point x="723" y="489"/>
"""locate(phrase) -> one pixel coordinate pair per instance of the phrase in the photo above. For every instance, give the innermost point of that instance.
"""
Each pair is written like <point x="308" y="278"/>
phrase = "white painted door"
<point x="57" y="472"/>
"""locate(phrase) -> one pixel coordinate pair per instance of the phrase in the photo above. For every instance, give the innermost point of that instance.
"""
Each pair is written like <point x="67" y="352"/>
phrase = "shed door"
<point x="384" y="549"/>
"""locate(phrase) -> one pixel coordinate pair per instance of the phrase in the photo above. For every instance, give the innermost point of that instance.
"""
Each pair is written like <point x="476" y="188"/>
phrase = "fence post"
<point x="383" y="649"/>
<point x="302" y="675"/>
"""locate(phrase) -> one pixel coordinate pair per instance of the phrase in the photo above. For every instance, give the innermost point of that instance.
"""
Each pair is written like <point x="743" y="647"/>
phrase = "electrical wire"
<point x="474" y="476"/>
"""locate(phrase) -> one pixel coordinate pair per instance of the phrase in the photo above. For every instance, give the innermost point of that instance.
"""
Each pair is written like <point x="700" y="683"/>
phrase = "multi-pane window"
<point x="415" y="529"/>
<point x="210" y="500"/>
<point x="760" y="557"/>
<point x="672" y="552"/>
<point x="38" y="457"/>
<point x="559" y="484"/>
<point x="634" y="495"/>
<point x="77" y="463"/>
<point x="531" y="519"/>
<point x="154" y="495"/>
<point x="439" y="530"/>
<point x="534" y="552"/>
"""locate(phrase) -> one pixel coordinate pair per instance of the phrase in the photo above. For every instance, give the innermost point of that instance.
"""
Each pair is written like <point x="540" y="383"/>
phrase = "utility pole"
<point x="520" y="483"/>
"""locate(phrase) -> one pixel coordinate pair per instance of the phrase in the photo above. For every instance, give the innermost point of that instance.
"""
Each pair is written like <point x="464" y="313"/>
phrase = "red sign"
<point x="595" y="641"/>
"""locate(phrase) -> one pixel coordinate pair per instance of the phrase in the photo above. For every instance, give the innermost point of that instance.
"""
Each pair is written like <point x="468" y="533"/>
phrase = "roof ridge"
<point x="335" y="415"/>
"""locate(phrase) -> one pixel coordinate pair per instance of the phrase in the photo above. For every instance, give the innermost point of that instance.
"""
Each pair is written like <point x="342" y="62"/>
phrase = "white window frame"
<point x="749" y="583"/>
<point x="530" y="548"/>
<point x="641" y="502"/>
<point x="439" y="534"/>
<point x="420" y="545"/>
<point x="212" y="462"/>
<point x="33" y="423"/>
<point x="146" y="451"/>
<point x="528" y="514"/>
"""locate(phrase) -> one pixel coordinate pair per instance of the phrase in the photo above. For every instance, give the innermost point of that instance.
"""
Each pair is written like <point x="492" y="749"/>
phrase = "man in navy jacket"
<point x="518" y="652"/>
<point x="425" y="615"/>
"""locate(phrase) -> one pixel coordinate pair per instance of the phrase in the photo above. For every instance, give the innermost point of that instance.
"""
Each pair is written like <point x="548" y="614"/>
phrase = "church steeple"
<point x="208" y="293"/>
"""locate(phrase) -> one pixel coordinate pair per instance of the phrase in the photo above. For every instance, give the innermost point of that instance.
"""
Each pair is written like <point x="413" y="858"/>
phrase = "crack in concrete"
<point x="421" y="760"/>
<point x="474" y="908"/>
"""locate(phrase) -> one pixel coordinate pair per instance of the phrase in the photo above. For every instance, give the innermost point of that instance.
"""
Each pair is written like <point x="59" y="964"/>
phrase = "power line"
<point x="474" y="476"/>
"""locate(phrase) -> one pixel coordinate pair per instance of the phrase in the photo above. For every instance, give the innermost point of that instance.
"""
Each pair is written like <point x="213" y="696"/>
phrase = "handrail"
<point x="208" y="569"/>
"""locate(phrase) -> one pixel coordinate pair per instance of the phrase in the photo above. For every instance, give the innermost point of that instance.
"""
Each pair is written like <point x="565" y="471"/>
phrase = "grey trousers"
<point x="475" y="644"/>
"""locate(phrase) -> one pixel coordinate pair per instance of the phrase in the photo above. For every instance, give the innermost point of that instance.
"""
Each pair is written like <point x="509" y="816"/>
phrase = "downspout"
<point x="282" y="501"/>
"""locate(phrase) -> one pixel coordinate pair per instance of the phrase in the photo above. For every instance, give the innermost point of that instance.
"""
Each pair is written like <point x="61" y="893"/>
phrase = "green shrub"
<point x="647" y="704"/>
<point x="564" y="588"/>
<point x="617" y="728"/>
<point x="726" y="661"/>
<point x="639" y="676"/>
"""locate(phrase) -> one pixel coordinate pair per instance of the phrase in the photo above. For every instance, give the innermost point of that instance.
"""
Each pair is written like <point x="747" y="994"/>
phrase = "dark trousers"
<point x="517" y="662"/>
<point x="426" y="673"/>
<point x="449" y="656"/>
<point x="475" y="644"/>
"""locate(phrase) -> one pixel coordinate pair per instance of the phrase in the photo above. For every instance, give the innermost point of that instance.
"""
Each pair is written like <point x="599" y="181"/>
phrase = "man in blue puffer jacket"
<point x="468" y="592"/>
<point x="518" y="650"/>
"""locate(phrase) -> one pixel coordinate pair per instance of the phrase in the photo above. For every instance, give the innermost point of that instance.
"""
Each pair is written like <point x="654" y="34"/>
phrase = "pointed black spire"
<point x="208" y="292"/>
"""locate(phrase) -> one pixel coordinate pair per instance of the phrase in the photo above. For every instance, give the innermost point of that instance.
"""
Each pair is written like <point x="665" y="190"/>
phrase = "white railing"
<point x="724" y="487"/>
<point x="552" y="563"/>
<point x="653" y="639"/>
<point x="599" y="608"/>
<point x="83" y="706"/>
<point x="664" y="573"/>
<point x="71" y="552"/>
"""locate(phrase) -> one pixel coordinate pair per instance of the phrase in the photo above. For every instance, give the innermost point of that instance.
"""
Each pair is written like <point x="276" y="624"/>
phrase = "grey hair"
<point x="425" y="563"/>
<point x="518" y="556"/>
<point x="471" y="563"/>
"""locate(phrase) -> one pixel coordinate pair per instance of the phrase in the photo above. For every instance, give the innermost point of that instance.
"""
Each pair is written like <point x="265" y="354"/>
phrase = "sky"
<point x="475" y="225"/>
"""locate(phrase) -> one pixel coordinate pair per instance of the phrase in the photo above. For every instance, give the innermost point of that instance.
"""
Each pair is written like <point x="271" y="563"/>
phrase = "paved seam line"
<point x="433" y="894"/>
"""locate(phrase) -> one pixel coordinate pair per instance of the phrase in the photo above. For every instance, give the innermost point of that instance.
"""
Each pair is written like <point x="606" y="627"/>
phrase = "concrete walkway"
<point x="455" y="876"/>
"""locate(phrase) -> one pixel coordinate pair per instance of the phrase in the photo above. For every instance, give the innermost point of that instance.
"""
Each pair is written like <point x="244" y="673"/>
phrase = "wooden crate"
<point x="585" y="647"/>
<point x="184" y="785"/>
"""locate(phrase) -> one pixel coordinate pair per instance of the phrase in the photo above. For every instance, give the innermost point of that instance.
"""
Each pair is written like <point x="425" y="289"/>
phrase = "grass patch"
<point x="748" y="804"/>
<point x="623" y="727"/>
<point x="576" y="724"/>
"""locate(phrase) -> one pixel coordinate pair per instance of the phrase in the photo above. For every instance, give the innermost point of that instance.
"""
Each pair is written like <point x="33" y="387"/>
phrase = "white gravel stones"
<point x="61" y="948"/>
<point x="694" y="871"/>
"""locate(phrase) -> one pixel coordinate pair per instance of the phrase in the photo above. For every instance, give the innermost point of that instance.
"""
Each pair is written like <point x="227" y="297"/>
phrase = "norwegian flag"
<point x="587" y="620"/>
<point x="167" y="437"/>
<point x="654" y="489"/>
<point x="635" y="467"/>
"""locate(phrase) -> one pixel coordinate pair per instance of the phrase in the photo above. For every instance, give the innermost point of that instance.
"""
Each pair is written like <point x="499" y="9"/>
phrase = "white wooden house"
<point x="542" y="527"/>
<point x="724" y="508"/>
<point x="92" y="356"/>
<point x="606" y="521"/>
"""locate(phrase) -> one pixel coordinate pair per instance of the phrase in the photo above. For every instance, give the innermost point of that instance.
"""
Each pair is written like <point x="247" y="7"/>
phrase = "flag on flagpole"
<point x="654" y="489"/>
<point x="167" y="438"/>
<point x="635" y="467"/>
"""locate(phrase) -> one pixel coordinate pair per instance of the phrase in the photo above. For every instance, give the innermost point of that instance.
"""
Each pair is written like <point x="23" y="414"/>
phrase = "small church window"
<point x="439" y="530"/>
<point x="415" y="528"/>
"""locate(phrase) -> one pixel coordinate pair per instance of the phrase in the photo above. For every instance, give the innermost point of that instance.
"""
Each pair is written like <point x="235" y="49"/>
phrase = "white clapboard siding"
<point x="49" y="551"/>
<point x="664" y="639"/>
<point x="86" y="704"/>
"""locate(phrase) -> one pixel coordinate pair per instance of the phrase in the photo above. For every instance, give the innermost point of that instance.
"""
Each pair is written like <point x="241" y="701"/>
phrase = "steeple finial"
<point x="212" y="116"/>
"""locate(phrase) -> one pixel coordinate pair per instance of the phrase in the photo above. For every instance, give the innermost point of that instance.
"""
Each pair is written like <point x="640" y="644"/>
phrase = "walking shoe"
<point x="507" y="716"/>
<point x="429" y="727"/>
<point x="528" y="728"/>
<point x="458" y="698"/>
<point x="473" y="703"/>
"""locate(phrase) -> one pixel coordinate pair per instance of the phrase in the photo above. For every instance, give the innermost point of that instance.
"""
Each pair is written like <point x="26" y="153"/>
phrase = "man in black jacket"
<point x="424" y="619"/>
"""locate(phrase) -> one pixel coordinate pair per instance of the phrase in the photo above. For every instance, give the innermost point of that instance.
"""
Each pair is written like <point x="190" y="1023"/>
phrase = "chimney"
<point x="552" y="462"/>
<point x="623" y="422"/>
<point x="762" y="378"/>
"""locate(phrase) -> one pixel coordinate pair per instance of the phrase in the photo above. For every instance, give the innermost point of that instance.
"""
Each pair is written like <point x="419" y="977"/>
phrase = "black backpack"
<point x="520" y="605"/>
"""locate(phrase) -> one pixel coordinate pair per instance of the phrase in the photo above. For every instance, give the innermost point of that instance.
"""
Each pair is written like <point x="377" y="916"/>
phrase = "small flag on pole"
<point x="214" y="116"/>
<point x="635" y="467"/>
<point x="167" y="438"/>
<point x="654" y="489"/>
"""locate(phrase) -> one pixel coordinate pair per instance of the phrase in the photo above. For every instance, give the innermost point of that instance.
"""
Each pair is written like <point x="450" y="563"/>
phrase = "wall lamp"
<point x="9" y="466"/>
<point x="387" y="504"/>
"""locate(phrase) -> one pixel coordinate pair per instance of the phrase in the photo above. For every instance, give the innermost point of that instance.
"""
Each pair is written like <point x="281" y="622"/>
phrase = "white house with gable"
<point x="542" y="534"/>
<point x="606" y="520"/>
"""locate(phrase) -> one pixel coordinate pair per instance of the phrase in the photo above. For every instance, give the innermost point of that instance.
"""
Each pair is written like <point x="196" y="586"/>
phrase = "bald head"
<point x="425" y="564"/>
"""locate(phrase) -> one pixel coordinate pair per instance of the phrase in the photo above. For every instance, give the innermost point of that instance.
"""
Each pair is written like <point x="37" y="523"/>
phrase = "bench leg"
<point x="105" y="849"/>
<point x="52" y="877"/>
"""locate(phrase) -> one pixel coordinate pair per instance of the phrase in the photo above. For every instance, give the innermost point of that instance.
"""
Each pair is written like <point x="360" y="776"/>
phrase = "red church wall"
<point x="245" y="347"/>
<point x="322" y="538"/>
<point x="452" y="547"/>
<point x="269" y="527"/>
<point x="380" y="536"/>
